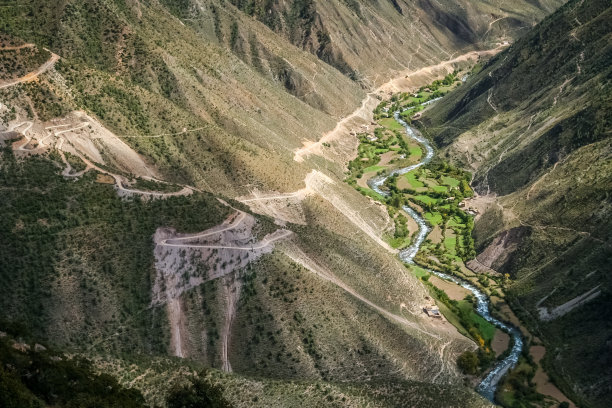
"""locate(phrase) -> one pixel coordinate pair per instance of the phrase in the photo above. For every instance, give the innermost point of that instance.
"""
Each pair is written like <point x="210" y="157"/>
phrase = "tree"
<point x="199" y="394"/>
<point x="468" y="362"/>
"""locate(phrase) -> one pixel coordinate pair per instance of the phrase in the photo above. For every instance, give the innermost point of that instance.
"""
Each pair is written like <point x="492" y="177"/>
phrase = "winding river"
<point x="489" y="384"/>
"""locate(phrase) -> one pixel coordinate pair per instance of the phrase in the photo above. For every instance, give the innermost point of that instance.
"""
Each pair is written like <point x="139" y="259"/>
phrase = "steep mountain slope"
<point x="534" y="126"/>
<point x="198" y="102"/>
<point x="250" y="95"/>
<point x="370" y="41"/>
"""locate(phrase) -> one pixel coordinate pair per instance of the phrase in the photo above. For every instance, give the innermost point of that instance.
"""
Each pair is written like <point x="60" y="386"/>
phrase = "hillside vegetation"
<point x="534" y="127"/>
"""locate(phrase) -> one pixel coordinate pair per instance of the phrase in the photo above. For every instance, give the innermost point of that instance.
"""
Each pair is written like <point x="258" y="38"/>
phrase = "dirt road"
<point x="33" y="75"/>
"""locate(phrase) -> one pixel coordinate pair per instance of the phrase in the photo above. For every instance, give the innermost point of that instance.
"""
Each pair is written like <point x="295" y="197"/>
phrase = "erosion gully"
<point x="489" y="384"/>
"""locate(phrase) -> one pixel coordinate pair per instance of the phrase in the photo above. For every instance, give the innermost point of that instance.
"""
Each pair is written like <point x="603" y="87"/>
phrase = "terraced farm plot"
<point x="391" y="123"/>
<point x="455" y="222"/>
<point x="416" y="152"/>
<point x="371" y="193"/>
<point x="418" y="271"/>
<point x="440" y="189"/>
<point x="412" y="179"/>
<point x="425" y="199"/>
<point x="486" y="329"/>
<point x="373" y="169"/>
<point x="450" y="181"/>
<point x="450" y="243"/>
<point x="434" y="218"/>
<point x="454" y="291"/>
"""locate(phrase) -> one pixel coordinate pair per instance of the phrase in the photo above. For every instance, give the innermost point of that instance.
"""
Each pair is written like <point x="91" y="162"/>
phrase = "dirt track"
<point x="33" y="75"/>
<point x="179" y="260"/>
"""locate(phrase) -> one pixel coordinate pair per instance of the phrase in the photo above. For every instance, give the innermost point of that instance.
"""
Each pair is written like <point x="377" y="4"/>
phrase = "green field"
<point x="416" y="152"/>
<point x="418" y="271"/>
<point x="450" y="181"/>
<point x="391" y="123"/>
<point x="371" y="193"/>
<point x="455" y="222"/>
<point x="440" y="189"/>
<point x="411" y="177"/>
<point x="486" y="329"/>
<point x="433" y="218"/>
<point x="426" y="199"/>
<point x="373" y="169"/>
<point x="450" y="243"/>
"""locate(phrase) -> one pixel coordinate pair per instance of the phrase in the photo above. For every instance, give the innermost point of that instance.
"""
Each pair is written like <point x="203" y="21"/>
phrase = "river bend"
<point x="489" y="384"/>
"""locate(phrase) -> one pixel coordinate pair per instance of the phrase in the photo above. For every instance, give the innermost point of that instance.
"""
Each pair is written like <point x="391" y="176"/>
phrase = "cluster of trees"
<point x="199" y="393"/>
<point x="435" y="85"/>
<point x="37" y="379"/>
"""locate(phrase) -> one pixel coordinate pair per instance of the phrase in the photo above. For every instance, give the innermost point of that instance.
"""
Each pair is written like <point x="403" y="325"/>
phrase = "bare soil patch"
<point x="543" y="383"/>
<point x="435" y="235"/>
<point x="104" y="179"/>
<point x="385" y="158"/>
<point x="454" y="291"/>
<point x="363" y="181"/>
<point x="500" y="342"/>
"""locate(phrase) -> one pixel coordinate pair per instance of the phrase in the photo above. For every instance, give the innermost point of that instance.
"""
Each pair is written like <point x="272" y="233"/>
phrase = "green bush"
<point x="468" y="362"/>
<point x="198" y="394"/>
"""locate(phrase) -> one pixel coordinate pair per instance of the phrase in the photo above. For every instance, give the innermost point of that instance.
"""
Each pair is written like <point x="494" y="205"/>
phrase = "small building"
<point x="433" y="311"/>
<point x="472" y="211"/>
<point x="372" y="138"/>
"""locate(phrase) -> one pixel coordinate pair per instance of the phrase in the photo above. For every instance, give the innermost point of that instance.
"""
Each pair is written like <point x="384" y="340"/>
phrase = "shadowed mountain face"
<point x="534" y="125"/>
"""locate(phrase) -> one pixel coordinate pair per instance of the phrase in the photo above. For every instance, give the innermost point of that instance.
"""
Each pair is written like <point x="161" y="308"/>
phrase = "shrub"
<point x="468" y="362"/>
